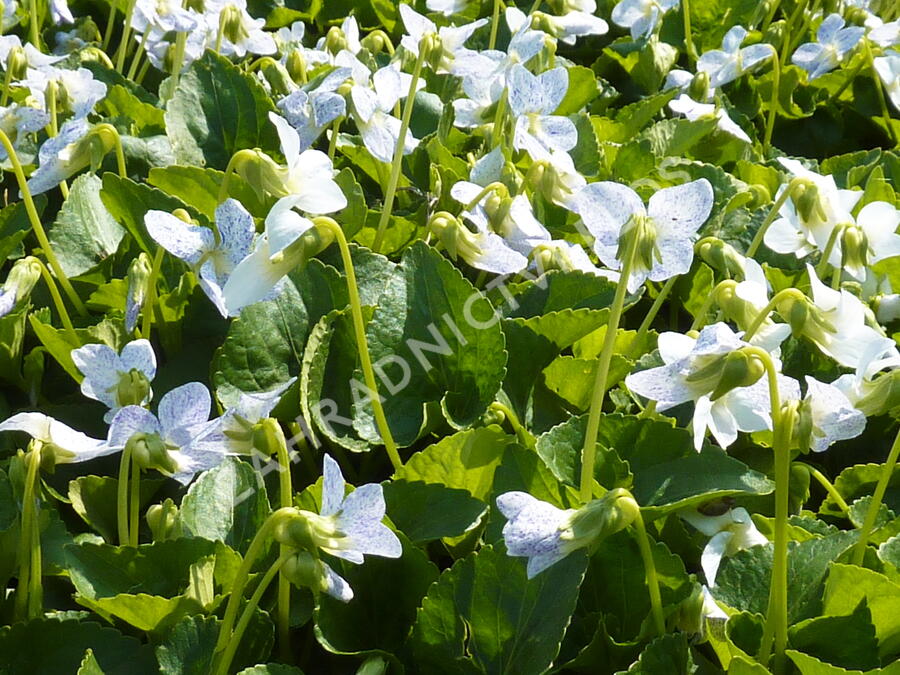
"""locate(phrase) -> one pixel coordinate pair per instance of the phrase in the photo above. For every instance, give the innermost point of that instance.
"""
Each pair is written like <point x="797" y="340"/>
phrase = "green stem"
<point x="38" y="228"/>
<point x="644" y="328"/>
<point x="885" y="113"/>
<point x="235" y="639"/>
<point x="236" y="158"/>
<point x="497" y="134"/>
<point x="7" y="80"/>
<point x="688" y="36"/>
<point x="773" y="104"/>
<point x="135" y="506"/>
<point x="656" y="606"/>
<point x="178" y="60"/>
<point x="770" y="16"/>
<point x="495" y="25"/>
<point x="589" y="449"/>
<point x="773" y="213"/>
<point x="150" y="294"/>
<point x="132" y="70"/>
<point x="829" y="488"/>
<point x="256" y="548"/>
<point x="786" y="44"/>
<point x="359" y="329"/>
<point x="332" y="142"/>
<point x="220" y="32"/>
<point x="122" y="496"/>
<point x="33" y="29"/>
<point x="391" y="188"/>
<point x="822" y="267"/>
<point x="110" y="24"/>
<point x="58" y="302"/>
<point x="26" y="538"/>
<point x="700" y="318"/>
<point x="109" y="130"/>
<point x="126" y="35"/>
<point x="35" y="589"/>
<point x="764" y="313"/>
<point x="286" y="494"/>
<point x="859" y="549"/>
<point x="776" y="616"/>
<point x="485" y="191"/>
<point x="520" y="431"/>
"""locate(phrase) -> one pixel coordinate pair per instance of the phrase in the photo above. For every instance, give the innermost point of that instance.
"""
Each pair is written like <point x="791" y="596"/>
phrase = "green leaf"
<point x="440" y="331"/>
<point x="810" y="665"/>
<point x="847" y="586"/>
<point x="89" y="664"/>
<point x="847" y="641"/>
<point x="583" y="89"/>
<point x="572" y="379"/>
<point x="675" y="138"/>
<point x="52" y="646"/>
<point x="227" y="503"/>
<point x="859" y="480"/>
<point x="94" y="498"/>
<point x="199" y="187"/>
<point x="386" y="594"/>
<point x="465" y="460"/>
<point x="189" y="645"/>
<point x="15" y="226"/>
<point x="217" y="110"/>
<point x="743" y="579"/>
<point x="271" y="669"/>
<point x="666" y="654"/>
<point x="84" y="233"/>
<point x="428" y="511"/>
<point x="137" y="115"/>
<point x="484" y="615"/>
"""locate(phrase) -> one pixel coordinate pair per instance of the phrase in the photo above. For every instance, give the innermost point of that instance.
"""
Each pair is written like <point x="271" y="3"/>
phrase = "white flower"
<point x="116" y="380"/>
<point x="246" y="35"/>
<point x="888" y="69"/>
<point x="61" y="157"/>
<point x="682" y="379"/>
<point x="641" y="16"/>
<point x="835" y="42"/>
<point x="731" y="532"/>
<point x="81" y="90"/>
<point x="452" y="38"/>
<point x="447" y="7"/>
<point x="17" y="121"/>
<point x="214" y="255"/>
<point x="183" y="414"/>
<point x="372" y="107"/>
<point x="754" y="291"/>
<point x="68" y="445"/>
<point x="60" y="13"/>
<point x="886" y="35"/>
<point x="164" y="16"/>
<point x="235" y="428"/>
<point x="572" y="25"/>
<point x="665" y="228"/>
<point x="534" y="530"/>
<point x="34" y="57"/>
<point x="878" y="221"/>
<point x="532" y="101"/>
<point x="356" y="525"/>
<point x="832" y="415"/>
<point x="802" y="234"/>
<point x="310" y="112"/>
<point x="563" y="255"/>
<point x="688" y="107"/>
<point x="729" y="63"/>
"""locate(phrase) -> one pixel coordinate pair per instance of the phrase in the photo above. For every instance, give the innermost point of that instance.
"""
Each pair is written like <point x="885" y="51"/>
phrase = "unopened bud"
<point x="775" y="33"/>
<point x="739" y="369"/>
<point x="806" y="198"/>
<point x="376" y="42"/>
<point x="721" y="256"/>
<point x="335" y="41"/>
<point x="231" y="23"/>
<point x="16" y="63"/>
<point x="164" y="521"/>
<point x="304" y="570"/>
<point x="277" y="76"/>
<point x="296" y="67"/>
<point x="856" y="16"/>
<point x="23" y="277"/>
<point x="149" y="451"/>
<point x="601" y="518"/>
<point x="854" y="248"/>
<point x="699" y="87"/>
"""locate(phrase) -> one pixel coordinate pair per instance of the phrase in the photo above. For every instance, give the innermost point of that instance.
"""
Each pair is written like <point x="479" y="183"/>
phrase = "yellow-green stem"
<point x="773" y="213"/>
<point x="332" y="142"/>
<point x="235" y="639"/>
<point x="110" y="24"/>
<point x="495" y="25"/>
<point x="286" y="499"/>
<point x="659" y="619"/>
<point x="520" y="431"/>
<point x="497" y="134"/>
<point x="770" y="16"/>
<point x="359" y="329"/>
<point x="58" y="303"/>
<point x="35" y="588"/>
<point x="644" y="328"/>
<point x="236" y="158"/>
<point x="29" y="523"/>
<point x="822" y="267"/>
<point x="38" y="228"/>
<point x="135" y="505"/>
<point x="132" y="70"/>
<point x="33" y="28"/>
<point x="391" y="188"/>
<point x="773" y="104"/>
<point x="769" y="308"/>
<point x="124" y="45"/>
<point x="7" y="80"/>
<point x="688" y="36"/>
<point x="220" y="32"/>
<point x="150" y="294"/>
<point x="829" y="488"/>
<point x="786" y="44"/>
<point x="117" y="142"/>
<point x="122" y="496"/>
<point x="589" y="449"/>
<point x="859" y="549"/>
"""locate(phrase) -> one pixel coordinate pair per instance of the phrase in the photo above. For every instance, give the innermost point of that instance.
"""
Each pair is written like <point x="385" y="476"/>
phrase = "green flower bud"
<point x="231" y="23"/>
<point x="296" y="67"/>
<point x="17" y="63"/>
<point x="806" y="198"/>
<point x="699" y="87"/>
<point x="149" y="451"/>
<point x="882" y="396"/>
<point x="23" y="277"/>
<point x="376" y="42"/>
<point x="306" y="571"/>
<point x="277" y="76"/>
<point x="164" y="521"/>
<point x="854" y="247"/>
<point x="267" y="437"/>
<point x="140" y="268"/>
<point x="721" y="256"/>
<point x="640" y="232"/>
<point x="601" y="518"/>
<point x="335" y="41"/>
<point x="856" y="16"/>
<point x="803" y="428"/>
<point x="261" y="173"/>
<point x="183" y="216"/>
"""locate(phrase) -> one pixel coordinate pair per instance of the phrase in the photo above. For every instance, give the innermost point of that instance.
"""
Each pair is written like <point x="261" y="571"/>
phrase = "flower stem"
<point x="885" y="113"/>
<point x="391" y="188"/>
<point x="770" y="16"/>
<point x="135" y="506"/>
<point x="58" y="302"/>
<point x="7" y="80"/>
<point x="132" y="69"/>
<point x="150" y="294"/>
<point x="359" y="329"/>
<point x="122" y="496"/>
<point x="520" y="431"/>
<point x="761" y="232"/>
<point x="236" y="159"/>
<point x="822" y="267"/>
<point x="651" y="315"/>
<point x="495" y="24"/>
<point x="33" y="28"/>
<point x="764" y="313"/>
<point x="126" y="35"/>
<point x="109" y="129"/>
<point x="786" y="43"/>
<point x="497" y="134"/>
<point x="27" y="548"/>
<point x="859" y="549"/>
<point x="776" y="616"/>
<point x="688" y="36"/>
<point x="589" y="449"/>
<point x="38" y="228"/>
<point x="235" y="638"/>
<point x="773" y="105"/>
<point x="656" y="607"/>
<point x="286" y="500"/>
<point x="828" y="486"/>
<point x="257" y="546"/>
<point x="110" y="24"/>
<point x="332" y="142"/>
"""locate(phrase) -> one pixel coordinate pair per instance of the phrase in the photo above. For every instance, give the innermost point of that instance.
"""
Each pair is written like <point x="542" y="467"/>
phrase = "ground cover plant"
<point x="454" y="336"/>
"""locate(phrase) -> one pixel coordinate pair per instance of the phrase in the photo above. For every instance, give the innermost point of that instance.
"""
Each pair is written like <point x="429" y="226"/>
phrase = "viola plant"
<point x="597" y="305"/>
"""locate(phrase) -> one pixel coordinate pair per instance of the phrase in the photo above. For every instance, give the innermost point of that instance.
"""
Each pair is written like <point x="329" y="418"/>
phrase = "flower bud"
<point x="699" y="87"/>
<point x="881" y="396"/>
<point x="267" y="437"/>
<point x="16" y="63"/>
<point x="277" y="76"/>
<point x="640" y="232"/>
<point x="231" y="23"/>
<point x="149" y="451"/>
<point x="775" y="33"/>
<point x="335" y="41"/>
<point x="804" y="426"/>
<point x="721" y="256"/>
<point x="296" y="67"/>
<point x="183" y="216"/>
<point x="376" y="42"/>
<point x="854" y="248"/>
<point x="493" y="416"/>
<point x="806" y="198"/>
<point x="856" y="16"/>
<point x="739" y="369"/>
<point x="601" y="518"/>
<point x="306" y="571"/>
<point x="164" y="521"/>
<point x="23" y="277"/>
